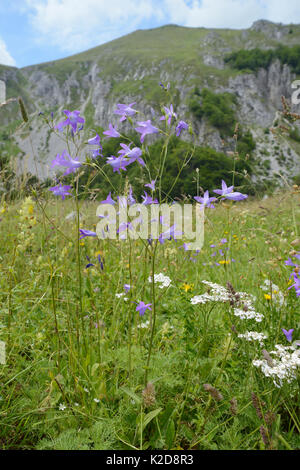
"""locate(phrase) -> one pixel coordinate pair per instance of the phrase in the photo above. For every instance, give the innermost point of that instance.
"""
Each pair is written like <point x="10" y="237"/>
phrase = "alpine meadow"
<point x="150" y="244"/>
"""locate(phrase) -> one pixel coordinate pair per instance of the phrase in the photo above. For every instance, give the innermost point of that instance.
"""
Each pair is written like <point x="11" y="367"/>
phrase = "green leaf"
<point x="132" y="395"/>
<point x="150" y="416"/>
<point x="94" y="368"/>
<point x="170" y="434"/>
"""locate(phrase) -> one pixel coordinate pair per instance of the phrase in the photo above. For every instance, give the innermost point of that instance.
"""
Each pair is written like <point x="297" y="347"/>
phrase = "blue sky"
<point x="34" y="31"/>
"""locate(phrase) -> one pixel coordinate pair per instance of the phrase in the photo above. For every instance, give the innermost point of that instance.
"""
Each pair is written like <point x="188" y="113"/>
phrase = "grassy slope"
<point x="185" y="358"/>
<point x="171" y="48"/>
<point x="173" y="44"/>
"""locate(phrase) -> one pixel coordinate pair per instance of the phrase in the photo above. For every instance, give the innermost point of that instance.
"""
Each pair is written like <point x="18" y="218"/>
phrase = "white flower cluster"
<point x="122" y="294"/>
<point x="246" y="310"/>
<point x="217" y="293"/>
<point x="202" y="299"/>
<point x="249" y="314"/>
<point x="165" y="281"/>
<point x="253" y="336"/>
<point x="244" y="302"/>
<point x="246" y="298"/>
<point x="283" y="367"/>
<point x="144" y="325"/>
<point x="274" y="291"/>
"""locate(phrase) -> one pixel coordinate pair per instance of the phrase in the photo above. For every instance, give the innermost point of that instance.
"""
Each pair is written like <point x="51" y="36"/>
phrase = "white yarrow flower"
<point x="160" y="278"/>
<point x="284" y="365"/>
<point x="253" y="336"/>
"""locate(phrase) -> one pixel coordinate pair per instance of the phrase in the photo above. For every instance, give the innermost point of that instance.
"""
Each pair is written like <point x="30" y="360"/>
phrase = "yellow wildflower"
<point x="186" y="287"/>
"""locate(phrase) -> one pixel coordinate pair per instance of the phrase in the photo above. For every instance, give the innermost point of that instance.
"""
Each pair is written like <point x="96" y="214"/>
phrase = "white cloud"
<point x="216" y="13"/>
<point x="236" y="14"/>
<point x="280" y="12"/>
<point x="5" y="57"/>
<point x="74" y="25"/>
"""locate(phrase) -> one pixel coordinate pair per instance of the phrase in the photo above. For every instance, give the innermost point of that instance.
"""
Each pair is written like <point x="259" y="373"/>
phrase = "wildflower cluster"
<point x="274" y="293"/>
<point x="224" y="193"/>
<point x="242" y="302"/>
<point x="222" y="251"/>
<point x="144" y="325"/>
<point x="253" y="336"/>
<point x="27" y="220"/>
<point x="161" y="279"/>
<point x="283" y="366"/>
<point x="295" y="274"/>
<point x="217" y="293"/>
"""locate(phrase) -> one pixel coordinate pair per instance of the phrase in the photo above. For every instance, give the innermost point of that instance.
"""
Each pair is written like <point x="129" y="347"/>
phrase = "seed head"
<point x="149" y="394"/>
<point x="233" y="406"/>
<point x="213" y="392"/>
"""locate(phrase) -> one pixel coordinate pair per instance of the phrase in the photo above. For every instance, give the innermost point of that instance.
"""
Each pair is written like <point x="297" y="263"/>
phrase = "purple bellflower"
<point x="288" y="334"/>
<point x="111" y="132"/>
<point x="227" y="192"/>
<point x="68" y="162"/>
<point x="73" y="119"/>
<point x="206" y="201"/>
<point x="91" y="264"/>
<point x="117" y="163"/>
<point x="185" y="246"/>
<point x="144" y="128"/>
<point x="169" y="113"/>
<point x="169" y="234"/>
<point x="180" y="127"/>
<point x="125" y="110"/>
<point x="86" y="233"/>
<point x="166" y="88"/>
<point x="124" y="226"/>
<point x="142" y="307"/>
<point x="148" y="199"/>
<point x="94" y="140"/>
<point x="60" y="190"/>
<point x="289" y="262"/>
<point x="151" y="185"/>
<point x="236" y="196"/>
<point x="131" y="154"/>
<point x="296" y="284"/>
<point x="96" y="153"/>
<point x="108" y="200"/>
<point x="130" y="198"/>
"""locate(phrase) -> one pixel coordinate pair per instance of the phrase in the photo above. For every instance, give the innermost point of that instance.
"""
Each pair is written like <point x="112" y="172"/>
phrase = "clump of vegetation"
<point x="245" y="144"/>
<point x="214" y="166"/>
<point x="254" y="59"/>
<point x="218" y="108"/>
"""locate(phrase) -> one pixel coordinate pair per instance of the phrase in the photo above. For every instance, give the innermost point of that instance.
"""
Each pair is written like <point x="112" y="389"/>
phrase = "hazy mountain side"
<point x="130" y="68"/>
